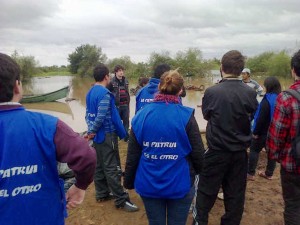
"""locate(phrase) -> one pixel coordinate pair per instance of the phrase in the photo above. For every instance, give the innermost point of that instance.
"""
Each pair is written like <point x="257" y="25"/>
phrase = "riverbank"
<point x="263" y="206"/>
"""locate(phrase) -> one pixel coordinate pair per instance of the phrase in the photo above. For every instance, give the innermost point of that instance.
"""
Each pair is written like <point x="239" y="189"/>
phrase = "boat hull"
<point x="48" y="97"/>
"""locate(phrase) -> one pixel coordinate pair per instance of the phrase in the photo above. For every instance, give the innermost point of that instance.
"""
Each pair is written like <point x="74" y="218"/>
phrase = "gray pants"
<point x="107" y="176"/>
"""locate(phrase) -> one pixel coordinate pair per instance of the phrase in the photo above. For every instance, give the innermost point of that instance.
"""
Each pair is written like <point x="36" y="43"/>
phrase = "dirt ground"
<point x="263" y="206"/>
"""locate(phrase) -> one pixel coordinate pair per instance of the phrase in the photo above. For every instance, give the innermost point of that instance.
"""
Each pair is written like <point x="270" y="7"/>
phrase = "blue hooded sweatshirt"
<point x="147" y="94"/>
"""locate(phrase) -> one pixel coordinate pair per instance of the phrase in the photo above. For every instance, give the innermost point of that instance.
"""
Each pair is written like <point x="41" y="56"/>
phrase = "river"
<point x="73" y="112"/>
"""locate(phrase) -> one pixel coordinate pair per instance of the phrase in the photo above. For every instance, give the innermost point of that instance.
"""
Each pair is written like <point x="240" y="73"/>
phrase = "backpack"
<point x="295" y="152"/>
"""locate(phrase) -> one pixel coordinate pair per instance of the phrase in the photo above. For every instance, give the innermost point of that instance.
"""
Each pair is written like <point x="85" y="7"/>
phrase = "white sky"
<point x="49" y="30"/>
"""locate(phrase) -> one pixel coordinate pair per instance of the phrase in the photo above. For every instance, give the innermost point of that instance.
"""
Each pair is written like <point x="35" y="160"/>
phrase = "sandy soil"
<point x="264" y="204"/>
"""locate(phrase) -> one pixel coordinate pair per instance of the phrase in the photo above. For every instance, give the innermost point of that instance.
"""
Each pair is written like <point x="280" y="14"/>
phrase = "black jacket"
<point x="229" y="108"/>
<point x="114" y="87"/>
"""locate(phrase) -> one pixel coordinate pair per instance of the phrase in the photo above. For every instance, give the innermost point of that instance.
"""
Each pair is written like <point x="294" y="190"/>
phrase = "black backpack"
<point x="295" y="152"/>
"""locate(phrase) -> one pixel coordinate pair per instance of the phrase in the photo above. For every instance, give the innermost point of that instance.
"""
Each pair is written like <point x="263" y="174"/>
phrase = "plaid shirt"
<point x="283" y="128"/>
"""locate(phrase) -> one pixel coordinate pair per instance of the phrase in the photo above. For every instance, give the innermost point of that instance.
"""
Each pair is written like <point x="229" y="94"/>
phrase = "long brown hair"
<point x="171" y="83"/>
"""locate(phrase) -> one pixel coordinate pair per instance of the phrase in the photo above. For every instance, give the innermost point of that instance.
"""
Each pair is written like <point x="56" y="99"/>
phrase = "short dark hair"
<point x="272" y="85"/>
<point x="143" y="81"/>
<point x="117" y="68"/>
<point x="295" y="63"/>
<point x="160" y="70"/>
<point x="9" y="74"/>
<point x="233" y="62"/>
<point x="100" y="72"/>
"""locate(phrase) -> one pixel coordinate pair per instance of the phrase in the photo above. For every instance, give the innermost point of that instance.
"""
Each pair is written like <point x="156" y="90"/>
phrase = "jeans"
<point x="168" y="211"/>
<point x="290" y="183"/>
<point x="226" y="169"/>
<point x="107" y="176"/>
<point x="257" y="144"/>
<point x="124" y="114"/>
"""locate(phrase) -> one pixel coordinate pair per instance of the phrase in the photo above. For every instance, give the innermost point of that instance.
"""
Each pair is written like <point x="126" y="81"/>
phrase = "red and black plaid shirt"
<point x="283" y="129"/>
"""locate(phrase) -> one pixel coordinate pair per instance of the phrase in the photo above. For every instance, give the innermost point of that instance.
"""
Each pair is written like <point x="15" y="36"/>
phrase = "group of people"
<point x="165" y="148"/>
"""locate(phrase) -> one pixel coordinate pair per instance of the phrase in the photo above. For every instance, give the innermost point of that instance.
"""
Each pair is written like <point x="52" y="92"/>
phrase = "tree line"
<point x="30" y="67"/>
<point x="190" y="62"/>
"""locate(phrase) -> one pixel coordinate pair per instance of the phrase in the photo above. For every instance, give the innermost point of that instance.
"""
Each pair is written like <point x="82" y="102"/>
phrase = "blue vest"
<point x="163" y="170"/>
<point x="94" y="96"/>
<point x="31" y="192"/>
<point x="146" y="94"/>
<point x="271" y="98"/>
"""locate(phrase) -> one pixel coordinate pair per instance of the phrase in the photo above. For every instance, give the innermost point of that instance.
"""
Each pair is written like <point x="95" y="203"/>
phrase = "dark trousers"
<point x="107" y="175"/>
<point x="256" y="146"/>
<point x="168" y="211"/>
<point x="290" y="183"/>
<point x="228" y="169"/>
<point x="124" y="114"/>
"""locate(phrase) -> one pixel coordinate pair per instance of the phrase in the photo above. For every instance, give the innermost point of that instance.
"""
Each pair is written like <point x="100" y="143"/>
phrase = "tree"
<point x="214" y="63"/>
<point x="279" y="64"/>
<point x="85" y="58"/>
<point x="190" y="62"/>
<point x="271" y="63"/>
<point x="27" y="65"/>
<point x="260" y="63"/>
<point x="124" y="61"/>
<point x="156" y="59"/>
<point x="142" y="70"/>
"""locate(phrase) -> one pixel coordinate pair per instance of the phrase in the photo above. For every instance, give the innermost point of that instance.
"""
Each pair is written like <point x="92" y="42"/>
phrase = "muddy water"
<point x="73" y="112"/>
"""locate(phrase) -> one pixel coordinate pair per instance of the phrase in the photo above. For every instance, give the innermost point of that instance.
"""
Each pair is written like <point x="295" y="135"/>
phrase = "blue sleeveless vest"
<point x="94" y="96"/>
<point x="163" y="170"/>
<point x="146" y="94"/>
<point x="31" y="192"/>
<point x="271" y="98"/>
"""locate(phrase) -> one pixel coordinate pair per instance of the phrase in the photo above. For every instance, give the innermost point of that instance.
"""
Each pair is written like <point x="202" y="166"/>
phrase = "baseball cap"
<point x="246" y="70"/>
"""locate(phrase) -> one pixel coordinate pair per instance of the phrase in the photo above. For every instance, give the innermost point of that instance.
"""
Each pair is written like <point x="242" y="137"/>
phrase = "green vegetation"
<point x="85" y="58"/>
<point x="29" y="68"/>
<point x="190" y="62"/>
<point x="27" y="65"/>
<point x="271" y="64"/>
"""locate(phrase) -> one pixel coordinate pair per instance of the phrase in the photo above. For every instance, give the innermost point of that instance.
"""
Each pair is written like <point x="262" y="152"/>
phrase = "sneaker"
<point x="221" y="196"/>
<point x="129" y="207"/>
<point x="263" y="174"/>
<point x="250" y="177"/>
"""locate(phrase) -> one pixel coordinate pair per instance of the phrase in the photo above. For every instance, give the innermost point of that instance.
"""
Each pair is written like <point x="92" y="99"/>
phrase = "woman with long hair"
<point x="261" y="123"/>
<point x="164" y="153"/>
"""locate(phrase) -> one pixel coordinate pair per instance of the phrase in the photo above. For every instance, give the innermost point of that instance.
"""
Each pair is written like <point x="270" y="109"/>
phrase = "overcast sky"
<point x="49" y="30"/>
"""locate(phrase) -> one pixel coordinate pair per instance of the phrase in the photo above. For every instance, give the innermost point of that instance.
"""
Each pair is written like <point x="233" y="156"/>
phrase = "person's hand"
<point x="255" y="136"/>
<point x="89" y="136"/>
<point x="74" y="197"/>
<point x="86" y="136"/>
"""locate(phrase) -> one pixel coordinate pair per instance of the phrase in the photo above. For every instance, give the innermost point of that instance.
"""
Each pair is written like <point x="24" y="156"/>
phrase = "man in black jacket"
<point x="229" y="108"/>
<point x="119" y="86"/>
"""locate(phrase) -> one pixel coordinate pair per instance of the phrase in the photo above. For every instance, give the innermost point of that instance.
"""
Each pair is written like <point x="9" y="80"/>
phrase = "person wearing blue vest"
<point x="104" y="127"/>
<point x="147" y="93"/>
<point x="261" y="123"/>
<point x="164" y="154"/>
<point x="31" y="144"/>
